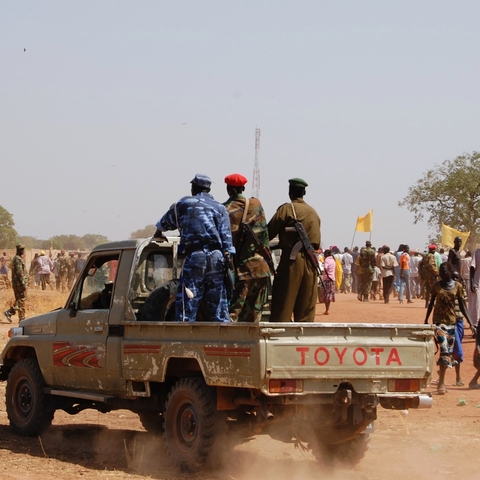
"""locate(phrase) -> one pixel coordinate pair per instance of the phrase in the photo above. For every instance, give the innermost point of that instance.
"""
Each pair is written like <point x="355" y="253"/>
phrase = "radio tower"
<point x="256" y="167"/>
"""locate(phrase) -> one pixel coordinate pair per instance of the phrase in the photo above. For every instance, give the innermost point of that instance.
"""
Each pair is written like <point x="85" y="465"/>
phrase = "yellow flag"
<point x="449" y="233"/>
<point x="364" y="224"/>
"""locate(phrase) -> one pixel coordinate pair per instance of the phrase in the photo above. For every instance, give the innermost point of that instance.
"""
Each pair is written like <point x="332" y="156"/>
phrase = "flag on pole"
<point x="449" y="233"/>
<point x="364" y="224"/>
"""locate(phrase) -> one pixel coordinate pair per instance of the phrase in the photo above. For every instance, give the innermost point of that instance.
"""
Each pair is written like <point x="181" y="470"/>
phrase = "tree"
<point x="146" y="232"/>
<point x="91" y="240"/>
<point x="449" y="194"/>
<point x="8" y="235"/>
<point x="67" y="242"/>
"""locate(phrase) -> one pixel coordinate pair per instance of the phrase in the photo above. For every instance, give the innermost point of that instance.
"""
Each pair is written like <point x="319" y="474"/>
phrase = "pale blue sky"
<point x="115" y="106"/>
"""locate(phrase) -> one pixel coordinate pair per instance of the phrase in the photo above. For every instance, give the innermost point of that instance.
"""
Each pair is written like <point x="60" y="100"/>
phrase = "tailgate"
<point x="370" y="357"/>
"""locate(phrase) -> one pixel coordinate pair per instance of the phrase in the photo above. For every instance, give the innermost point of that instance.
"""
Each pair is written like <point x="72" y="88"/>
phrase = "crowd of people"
<point x="64" y="269"/>
<point x="447" y="282"/>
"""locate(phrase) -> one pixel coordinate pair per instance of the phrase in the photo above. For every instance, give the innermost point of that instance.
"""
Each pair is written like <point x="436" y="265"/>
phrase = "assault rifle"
<point x="229" y="276"/>
<point x="307" y="244"/>
<point x="246" y="237"/>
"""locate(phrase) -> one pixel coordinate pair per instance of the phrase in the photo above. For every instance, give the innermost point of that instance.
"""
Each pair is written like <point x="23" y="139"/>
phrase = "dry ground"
<point x="440" y="442"/>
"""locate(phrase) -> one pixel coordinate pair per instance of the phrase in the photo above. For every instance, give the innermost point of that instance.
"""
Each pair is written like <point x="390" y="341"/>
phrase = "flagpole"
<point x="371" y="225"/>
<point x="353" y="239"/>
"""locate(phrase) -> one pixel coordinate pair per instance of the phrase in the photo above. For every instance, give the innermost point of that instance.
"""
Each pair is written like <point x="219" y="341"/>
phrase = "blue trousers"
<point x="405" y="285"/>
<point x="203" y="274"/>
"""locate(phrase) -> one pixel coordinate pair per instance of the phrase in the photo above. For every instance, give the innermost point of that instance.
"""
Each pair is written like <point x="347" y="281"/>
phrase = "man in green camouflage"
<point x="63" y="267"/>
<point x="19" y="284"/>
<point x="71" y="270"/>
<point x="429" y="272"/>
<point x="252" y="283"/>
<point x="366" y="262"/>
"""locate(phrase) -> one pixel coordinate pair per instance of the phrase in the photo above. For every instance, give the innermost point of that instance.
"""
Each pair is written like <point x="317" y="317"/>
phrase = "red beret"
<point x="432" y="247"/>
<point x="235" y="180"/>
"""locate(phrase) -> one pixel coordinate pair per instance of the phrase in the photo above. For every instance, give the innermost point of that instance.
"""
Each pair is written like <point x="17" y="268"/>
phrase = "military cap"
<point x="298" y="182"/>
<point x="235" y="180"/>
<point x="20" y="247"/>
<point x="202" y="181"/>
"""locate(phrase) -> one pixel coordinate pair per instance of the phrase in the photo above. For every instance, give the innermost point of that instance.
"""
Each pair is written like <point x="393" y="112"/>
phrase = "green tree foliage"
<point x="146" y="232"/>
<point x="33" y="242"/>
<point x="8" y="235"/>
<point x="449" y="194"/>
<point x="91" y="240"/>
<point x="65" y="242"/>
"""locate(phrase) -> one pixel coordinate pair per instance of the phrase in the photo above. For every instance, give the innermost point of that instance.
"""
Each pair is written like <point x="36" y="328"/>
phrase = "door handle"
<point x="98" y="328"/>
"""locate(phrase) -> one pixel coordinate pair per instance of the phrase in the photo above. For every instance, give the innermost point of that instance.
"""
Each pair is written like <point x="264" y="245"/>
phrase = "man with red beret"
<point x="295" y="286"/>
<point x="252" y="271"/>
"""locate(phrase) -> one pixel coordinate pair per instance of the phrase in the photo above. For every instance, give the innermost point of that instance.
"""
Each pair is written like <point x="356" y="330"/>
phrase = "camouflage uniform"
<point x="429" y="273"/>
<point x="205" y="234"/>
<point x="366" y="262"/>
<point x="71" y="271"/>
<point x="295" y="285"/>
<point x="252" y="271"/>
<point x="63" y="272"/>
<point x="19" y="284"/>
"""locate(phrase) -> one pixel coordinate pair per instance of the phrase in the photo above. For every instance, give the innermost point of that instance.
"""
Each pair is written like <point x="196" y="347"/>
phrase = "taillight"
<point x="285" y="386"/>
<point x="404" y="385"/>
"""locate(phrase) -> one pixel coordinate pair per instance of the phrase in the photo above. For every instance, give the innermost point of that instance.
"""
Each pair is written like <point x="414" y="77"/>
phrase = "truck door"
<point x="80" y="345"/>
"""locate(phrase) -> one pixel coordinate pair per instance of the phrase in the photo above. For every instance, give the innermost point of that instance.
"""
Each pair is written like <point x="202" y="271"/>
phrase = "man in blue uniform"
<point x="205" y="233"/>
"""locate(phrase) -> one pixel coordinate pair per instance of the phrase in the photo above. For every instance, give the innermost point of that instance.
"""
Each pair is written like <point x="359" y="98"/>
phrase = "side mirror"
<point x="73" y="309"/>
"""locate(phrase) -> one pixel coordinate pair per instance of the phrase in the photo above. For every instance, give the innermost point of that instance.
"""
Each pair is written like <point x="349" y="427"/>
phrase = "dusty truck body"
<point x="114" y="345"/>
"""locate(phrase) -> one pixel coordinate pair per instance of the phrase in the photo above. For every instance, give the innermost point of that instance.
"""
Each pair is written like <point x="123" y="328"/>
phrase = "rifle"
<point x="229" y="276"/>
<point x="247" y="236"/>
<point x="307" y="244"/>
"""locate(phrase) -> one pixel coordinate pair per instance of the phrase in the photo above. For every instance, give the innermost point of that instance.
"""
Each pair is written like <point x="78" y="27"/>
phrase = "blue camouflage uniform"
<point x="205" y="233"/>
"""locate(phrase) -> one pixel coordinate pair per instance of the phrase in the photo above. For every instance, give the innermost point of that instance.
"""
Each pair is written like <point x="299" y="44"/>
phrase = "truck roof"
<point x="132" y="243"/>
<point x="122" y="244"/>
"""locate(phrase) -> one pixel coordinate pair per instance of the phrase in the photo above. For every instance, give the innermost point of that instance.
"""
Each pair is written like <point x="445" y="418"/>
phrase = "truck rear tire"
<point x="348" y="453"/>
<point x="190" y="418"/>
<point x="25" y="399"/>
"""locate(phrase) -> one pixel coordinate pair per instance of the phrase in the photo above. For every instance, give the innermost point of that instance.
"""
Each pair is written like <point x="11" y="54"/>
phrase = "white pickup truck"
<point x="114" y="345"/>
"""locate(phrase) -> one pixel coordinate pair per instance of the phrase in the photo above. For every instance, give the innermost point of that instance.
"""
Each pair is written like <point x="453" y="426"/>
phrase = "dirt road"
<point x="438" y="443"/>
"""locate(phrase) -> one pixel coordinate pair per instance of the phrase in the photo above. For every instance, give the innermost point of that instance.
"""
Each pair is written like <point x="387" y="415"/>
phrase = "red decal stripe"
<point x="140" y="348"/>
<point x="66" y="355"/>
<point x="227" y="352"/>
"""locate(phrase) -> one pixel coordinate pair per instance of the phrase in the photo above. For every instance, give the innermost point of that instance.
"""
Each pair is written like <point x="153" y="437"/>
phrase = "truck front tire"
<point x="190" y="417"/>
<point x="25" y="399"/>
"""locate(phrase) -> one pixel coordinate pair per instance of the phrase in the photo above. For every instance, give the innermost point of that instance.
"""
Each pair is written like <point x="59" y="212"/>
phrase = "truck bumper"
<point x="398" y="402"/>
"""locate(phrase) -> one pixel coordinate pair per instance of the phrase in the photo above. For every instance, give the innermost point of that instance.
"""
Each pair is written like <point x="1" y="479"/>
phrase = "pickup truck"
<point x="203" y="384"/>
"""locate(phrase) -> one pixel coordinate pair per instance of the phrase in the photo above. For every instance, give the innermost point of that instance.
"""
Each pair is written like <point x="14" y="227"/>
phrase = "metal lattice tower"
<point x="256" y="167"/>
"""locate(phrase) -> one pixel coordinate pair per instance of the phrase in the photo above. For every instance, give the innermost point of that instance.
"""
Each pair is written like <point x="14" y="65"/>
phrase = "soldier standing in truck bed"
<point x="206" y="236"/>
<point x="295" y="286"/>
<point x="252" y="271"/>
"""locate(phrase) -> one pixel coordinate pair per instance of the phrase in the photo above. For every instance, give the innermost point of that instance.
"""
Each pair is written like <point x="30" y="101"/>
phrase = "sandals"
<point x="458" y="384"/>
<point x="474" y="386"/>
<point x="443" y="391"/>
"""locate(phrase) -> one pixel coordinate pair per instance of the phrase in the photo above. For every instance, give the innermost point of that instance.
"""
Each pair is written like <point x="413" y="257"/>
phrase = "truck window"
<point x="96" y="288"/>
<point x="159" y="270"/>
